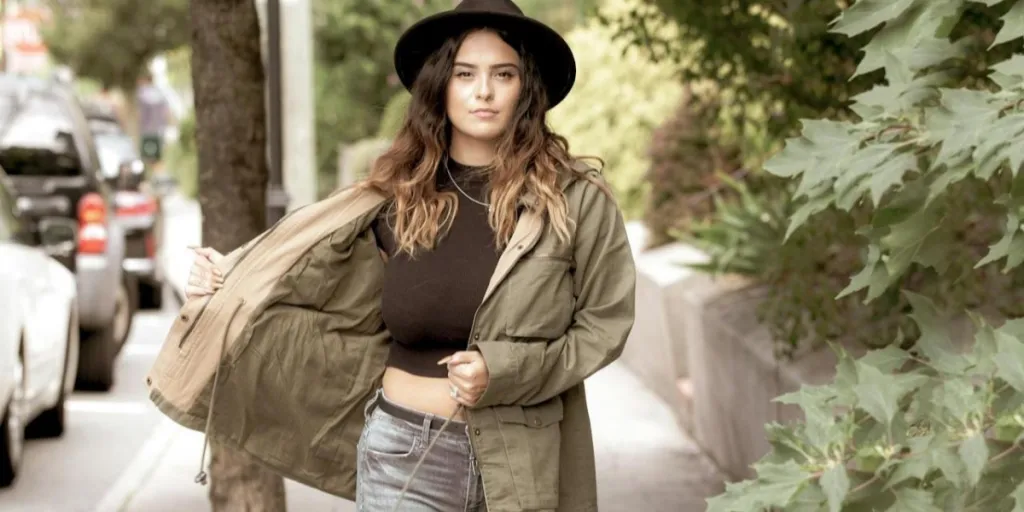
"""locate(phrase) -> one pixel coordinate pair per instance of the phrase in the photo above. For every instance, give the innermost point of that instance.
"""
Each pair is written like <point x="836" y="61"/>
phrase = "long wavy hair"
<point x="530" y="159"/>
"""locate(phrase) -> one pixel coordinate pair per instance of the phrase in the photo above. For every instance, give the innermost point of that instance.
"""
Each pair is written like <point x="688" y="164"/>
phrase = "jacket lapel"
<point x="527" y="232"/>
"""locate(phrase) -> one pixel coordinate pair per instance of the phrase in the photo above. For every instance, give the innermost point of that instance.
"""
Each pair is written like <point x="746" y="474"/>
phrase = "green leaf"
<point x="795" y="158"/>
<point x="907" y="238"/>
<point x="974" y="452"/>
<point x="934" y="342"/>
<point x="1010" y="360"/>
<point x="778" y="483"/>
<point x="1018" y="498"/>
<point x="914" y="500"/>
<point x="889" y="174"/>
<point x="1009" y="72"/>
<point x="917" y="465"/>
<point x="887" y="359"/>
<point x="820" y="425"/>
<point x="868" y="14"/>
<point x="873" y="273"/>
<point x="1013" y="25"/>
<point x="898" y="35"/>
<point x="878" y="394"/>
<point x="1005" y="245"/>
<point x="805" y="212"/>
<point x="836" y="484"/>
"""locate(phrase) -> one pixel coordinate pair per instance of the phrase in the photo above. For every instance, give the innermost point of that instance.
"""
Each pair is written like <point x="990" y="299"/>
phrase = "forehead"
<point x="485" y="48"/>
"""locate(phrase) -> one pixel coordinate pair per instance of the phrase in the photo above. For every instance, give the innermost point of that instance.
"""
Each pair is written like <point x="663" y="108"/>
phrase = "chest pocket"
<point x="539" y="299"/>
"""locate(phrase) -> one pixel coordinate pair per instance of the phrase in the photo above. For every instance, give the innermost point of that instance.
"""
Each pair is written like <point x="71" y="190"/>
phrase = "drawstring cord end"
<point x="202" y="477"/>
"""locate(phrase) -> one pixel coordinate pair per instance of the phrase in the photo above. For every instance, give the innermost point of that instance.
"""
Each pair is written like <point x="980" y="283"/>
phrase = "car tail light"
<point x="92" y="224"/>
<point x="134" y="203"/>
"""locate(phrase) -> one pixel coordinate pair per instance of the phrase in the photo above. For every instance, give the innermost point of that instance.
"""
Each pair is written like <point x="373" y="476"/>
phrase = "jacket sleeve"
<point x="604" y="280"/>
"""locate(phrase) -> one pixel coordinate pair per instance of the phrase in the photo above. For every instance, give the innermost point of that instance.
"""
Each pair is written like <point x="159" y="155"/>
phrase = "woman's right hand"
<point x="205" y="276"/>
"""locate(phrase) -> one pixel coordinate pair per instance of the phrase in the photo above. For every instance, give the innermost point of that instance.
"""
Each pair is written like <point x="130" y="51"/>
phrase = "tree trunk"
<point x="227" y="76"/>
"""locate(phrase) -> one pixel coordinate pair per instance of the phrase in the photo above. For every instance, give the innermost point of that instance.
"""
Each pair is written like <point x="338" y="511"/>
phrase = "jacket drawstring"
<point x="424" y="456"/>
<point x="202" y="477"/>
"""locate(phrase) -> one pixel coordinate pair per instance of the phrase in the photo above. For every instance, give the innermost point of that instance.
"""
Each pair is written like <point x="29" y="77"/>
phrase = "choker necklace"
<point x="471" y="198"/>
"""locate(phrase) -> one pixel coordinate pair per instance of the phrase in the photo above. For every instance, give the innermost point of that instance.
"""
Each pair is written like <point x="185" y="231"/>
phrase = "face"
<point x="484" y="87"/>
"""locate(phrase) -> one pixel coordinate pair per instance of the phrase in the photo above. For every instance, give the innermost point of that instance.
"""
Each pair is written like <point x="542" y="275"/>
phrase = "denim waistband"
<point x="413" y="416"/>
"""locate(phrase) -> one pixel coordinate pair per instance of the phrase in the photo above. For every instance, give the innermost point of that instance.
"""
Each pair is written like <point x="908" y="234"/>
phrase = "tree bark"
<point x="228" y="79"/>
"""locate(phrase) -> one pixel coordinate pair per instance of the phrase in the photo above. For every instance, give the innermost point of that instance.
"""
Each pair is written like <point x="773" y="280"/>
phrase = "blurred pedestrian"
<point x="154" y="116"/>
<point x="419" y="341"/>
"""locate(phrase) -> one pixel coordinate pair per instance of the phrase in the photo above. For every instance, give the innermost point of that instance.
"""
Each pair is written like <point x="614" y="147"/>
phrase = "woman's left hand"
<point x="467" y="373"/>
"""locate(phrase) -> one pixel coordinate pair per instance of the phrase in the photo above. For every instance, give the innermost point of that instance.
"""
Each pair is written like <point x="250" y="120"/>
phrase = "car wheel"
<point x="12" y="430"/>
<point x="51" y="422"/>
<point x="125" y="305"/>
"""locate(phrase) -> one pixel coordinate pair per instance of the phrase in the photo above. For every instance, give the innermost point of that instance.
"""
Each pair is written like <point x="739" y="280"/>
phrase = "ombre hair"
<point x="530" y="159"/>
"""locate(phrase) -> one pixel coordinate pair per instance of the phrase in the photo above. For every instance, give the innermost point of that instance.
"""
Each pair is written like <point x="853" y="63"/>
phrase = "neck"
<point x="471" y="152"/>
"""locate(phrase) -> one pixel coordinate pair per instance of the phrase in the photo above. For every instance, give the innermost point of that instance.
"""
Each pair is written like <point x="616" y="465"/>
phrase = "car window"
<point x="36" y="137"/>
<point x="113" y="151"/>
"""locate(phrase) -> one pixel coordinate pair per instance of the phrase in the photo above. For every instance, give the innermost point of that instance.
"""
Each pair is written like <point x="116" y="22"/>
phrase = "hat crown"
<point x="496" y="6"/>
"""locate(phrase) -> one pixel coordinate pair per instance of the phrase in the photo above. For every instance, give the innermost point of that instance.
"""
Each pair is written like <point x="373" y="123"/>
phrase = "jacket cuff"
<point x="502" y="368"/>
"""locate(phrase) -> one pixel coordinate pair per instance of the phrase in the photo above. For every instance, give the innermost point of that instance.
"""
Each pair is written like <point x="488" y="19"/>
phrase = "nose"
<point x="484" y="90"/>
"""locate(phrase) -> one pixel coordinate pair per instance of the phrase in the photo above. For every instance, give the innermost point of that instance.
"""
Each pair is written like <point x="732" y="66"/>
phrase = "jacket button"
<point x="183" y="317"/>
<point x="476" y="431"/>
<point x="536" y="421"/>
<point x="476" y="336"/>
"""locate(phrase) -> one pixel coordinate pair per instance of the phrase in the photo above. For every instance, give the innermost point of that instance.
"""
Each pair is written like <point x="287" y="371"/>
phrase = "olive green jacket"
<point x="281" y="360"/>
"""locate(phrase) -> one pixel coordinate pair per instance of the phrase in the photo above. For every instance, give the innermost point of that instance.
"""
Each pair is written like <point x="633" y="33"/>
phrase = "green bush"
<point x="688" y="160"/>
<point x="394" y="115"/>
<point x="929" y="176"/>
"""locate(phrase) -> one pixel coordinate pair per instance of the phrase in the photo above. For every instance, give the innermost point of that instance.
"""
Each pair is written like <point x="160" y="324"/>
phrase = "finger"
<point x="462" y="357"/>
<point x="210" y="254"/>
<point x="466" y="386"/>
<point x="467" y="371"/>
<point x="207" y="265"/>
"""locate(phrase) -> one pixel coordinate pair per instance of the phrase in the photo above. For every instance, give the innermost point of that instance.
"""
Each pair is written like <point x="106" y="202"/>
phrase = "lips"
<point x="484" y="113"/>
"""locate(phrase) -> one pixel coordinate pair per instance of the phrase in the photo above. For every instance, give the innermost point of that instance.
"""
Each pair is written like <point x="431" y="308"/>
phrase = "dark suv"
<point x="49" y="155"/>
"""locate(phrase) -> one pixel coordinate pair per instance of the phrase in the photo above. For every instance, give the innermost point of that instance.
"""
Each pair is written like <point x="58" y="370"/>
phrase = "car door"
<point x="34" y="298"/>
<point x="12" y="309"/>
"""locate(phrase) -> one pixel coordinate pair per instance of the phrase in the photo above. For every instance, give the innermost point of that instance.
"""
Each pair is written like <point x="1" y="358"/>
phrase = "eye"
<point x="506" y="75"/>
<point x="463" y="74"/>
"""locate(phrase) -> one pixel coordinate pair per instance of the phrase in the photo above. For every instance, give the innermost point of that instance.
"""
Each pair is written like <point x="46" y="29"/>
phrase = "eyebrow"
<point x="496" y="66"/>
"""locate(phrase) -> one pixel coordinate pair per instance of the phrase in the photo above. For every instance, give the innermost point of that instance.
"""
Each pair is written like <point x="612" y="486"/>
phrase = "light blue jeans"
<point x="448" y="479"/>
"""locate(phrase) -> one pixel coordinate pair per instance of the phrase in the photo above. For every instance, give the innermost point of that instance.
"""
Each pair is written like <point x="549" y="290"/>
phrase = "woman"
<point x="457" y="298"/>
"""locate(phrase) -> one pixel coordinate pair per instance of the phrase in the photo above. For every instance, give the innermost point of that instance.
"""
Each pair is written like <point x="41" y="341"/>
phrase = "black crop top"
<point x="429" y="302"/>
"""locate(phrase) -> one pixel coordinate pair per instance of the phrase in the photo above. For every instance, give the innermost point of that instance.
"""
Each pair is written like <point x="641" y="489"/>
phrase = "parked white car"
<point x="38" y="328"/>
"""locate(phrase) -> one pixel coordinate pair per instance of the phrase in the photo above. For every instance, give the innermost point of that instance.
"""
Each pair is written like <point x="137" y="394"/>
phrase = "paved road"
<point x="105" y="431"/>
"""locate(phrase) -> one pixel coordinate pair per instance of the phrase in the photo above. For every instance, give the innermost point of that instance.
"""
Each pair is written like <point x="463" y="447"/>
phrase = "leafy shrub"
<point x="927" y="175"/>
<point x="687" y="157"/>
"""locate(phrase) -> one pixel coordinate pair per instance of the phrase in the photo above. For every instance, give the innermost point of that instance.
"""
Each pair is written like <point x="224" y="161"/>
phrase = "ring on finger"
<point x="455" y="392"/>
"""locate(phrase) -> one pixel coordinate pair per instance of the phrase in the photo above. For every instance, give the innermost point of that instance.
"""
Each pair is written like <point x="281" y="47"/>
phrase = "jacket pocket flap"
<point x="543" y="415"/>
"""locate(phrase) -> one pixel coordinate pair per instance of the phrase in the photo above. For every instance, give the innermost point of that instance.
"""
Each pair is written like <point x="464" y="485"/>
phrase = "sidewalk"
<point x="645" y="461"/>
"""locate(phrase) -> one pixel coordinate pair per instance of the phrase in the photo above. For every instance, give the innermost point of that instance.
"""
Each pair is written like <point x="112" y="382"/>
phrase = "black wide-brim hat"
<point x="554" y="58"/>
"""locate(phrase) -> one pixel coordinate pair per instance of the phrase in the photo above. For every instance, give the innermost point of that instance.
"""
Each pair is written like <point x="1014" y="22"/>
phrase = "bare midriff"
<point x="424" y="394"/>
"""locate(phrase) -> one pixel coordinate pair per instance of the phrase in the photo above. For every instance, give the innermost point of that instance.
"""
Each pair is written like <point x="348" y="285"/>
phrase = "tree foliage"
<point x="112" y="41"/>
<point x="619" y="97"/>
<point x="928" y="159"/>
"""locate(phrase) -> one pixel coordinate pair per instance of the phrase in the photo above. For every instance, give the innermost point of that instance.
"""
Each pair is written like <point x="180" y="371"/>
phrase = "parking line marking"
<point x="141" y="468"/>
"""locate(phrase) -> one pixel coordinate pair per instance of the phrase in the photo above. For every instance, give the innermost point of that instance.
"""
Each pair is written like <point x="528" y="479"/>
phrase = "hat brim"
<point x="554" y="58"/>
